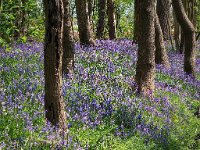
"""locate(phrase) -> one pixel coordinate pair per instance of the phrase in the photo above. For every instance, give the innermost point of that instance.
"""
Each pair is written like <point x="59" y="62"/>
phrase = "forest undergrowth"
<point x="104" y="111"/>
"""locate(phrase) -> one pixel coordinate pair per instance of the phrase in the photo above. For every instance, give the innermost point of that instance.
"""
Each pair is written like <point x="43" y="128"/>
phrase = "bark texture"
<point x="68" y="41"/>
<point x="161" y="53"/>
<point x="177" y="31"/>
<point x="111" y="19"/>
<point x="85" y="32"/>
<point x="190" y="42"/>
<point x="101" y="18"/>
<point x="53" y="51"/>
<point x="145" y="68"/>
<point x="163" y="11"/>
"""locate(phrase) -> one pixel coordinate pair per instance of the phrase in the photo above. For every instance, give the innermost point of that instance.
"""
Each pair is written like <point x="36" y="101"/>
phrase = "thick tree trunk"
<point x="163" y="11"/>
<point x="68" y="41"/>
<point x="101" y="18"/>
<point x="190" y="42"/>
<point x="53" y="51"/>
<point x="111" y="19"/>
<point x="85" y="32"/>
<point x="160" y="54"/>
<point x="145" y="69"/>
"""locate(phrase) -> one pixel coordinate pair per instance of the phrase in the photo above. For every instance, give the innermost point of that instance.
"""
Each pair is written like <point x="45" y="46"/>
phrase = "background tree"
<point x="53" y="52"/>
<point x="160" y="53"/>
<point x="163" y="11"/>
<point x="101" y="18"/>
<point x="68" y="41"/>
<point x="145" y="68"/>
<point x="111" y="19"/>
<point x="21" y="21"/>
<point x="85" y="32"/>
<point x="190" y="41"/>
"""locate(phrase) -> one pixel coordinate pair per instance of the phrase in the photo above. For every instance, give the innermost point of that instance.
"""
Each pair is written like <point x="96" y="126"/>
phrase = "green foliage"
<point x="20" y="21"/>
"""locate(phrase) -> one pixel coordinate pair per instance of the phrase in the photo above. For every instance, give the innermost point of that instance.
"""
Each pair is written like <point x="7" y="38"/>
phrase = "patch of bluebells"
<point x="100" y="92"/>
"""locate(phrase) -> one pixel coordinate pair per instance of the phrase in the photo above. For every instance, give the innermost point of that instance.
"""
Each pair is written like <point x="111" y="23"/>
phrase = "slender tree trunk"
<point x="101" y="18"/>
<point x="176" y="33"/>
<point x="145" y="69"/>
<point x="85" y="32"/>
<point x="90" y="8"/>
<point x="182" y="43"/>
<point x="68" y="41"/>
<point x="111" y="19"/>
<point x="190" y="42"/>
<point x="160" y="54"/>
<point x="118" y="19"/>
<point x="53" y="51"/>
<point x="163" y="11"/>
<point x="90" y="11"/>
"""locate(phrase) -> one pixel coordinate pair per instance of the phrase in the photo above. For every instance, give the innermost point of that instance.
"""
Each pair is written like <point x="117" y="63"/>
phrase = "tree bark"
<point x="182" y="43"/>
<point x="68" y="41"/>
<point x="160" y="54"/>
<point x="145" y="69"/>
<point x="53" y="51"/>
<point x="85" y="32"/>
<point x="111" y="19"/>
<point x="163" y="11"/>
<point x="101" y="18"/>
<point x="177" y="31"/>
<point x="190" y="42"/>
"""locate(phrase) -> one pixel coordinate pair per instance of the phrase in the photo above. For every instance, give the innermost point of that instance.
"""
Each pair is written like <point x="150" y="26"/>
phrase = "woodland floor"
<point x="103" y="110"/>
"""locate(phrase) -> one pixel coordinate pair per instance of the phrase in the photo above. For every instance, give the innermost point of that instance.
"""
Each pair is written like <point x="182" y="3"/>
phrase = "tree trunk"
<point x="85" y="32"/>
<point x="163" y="11"/>
<point x="189" y="30"/>
<point x="182" y="43"/>
<point x="68" y="41"/>
<point x="177" y="31"/>
<point x="111" y="19"/>
<point x="101" y="18"/>
<point x="145" y="69"/>
<point x="53" y="51"/>
<point x="161" y="54"/>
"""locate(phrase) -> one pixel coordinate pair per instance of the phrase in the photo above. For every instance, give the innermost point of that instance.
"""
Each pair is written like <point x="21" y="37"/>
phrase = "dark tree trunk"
<point x="53" y="51"/>
<point x="182" y="43"/>
<point x="163" y="11"/>
<point x="101" y="18"/>
<point x="145" y="69"/>
<point x="85" y="32"/>
<point x="111" y="19"/>
<point x="176" y="33"/>
<point x="161" y="54"/>
<point x="68" y="41"/>
<point x="190" y="42"/>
